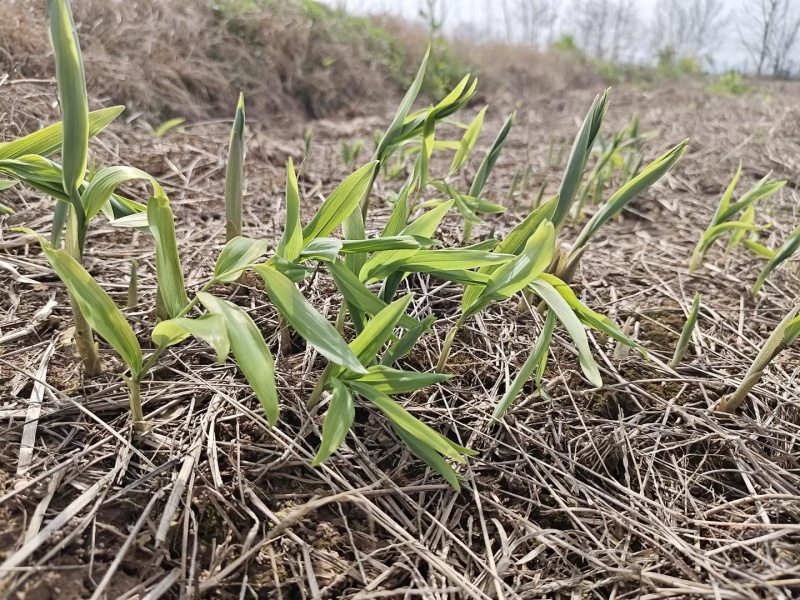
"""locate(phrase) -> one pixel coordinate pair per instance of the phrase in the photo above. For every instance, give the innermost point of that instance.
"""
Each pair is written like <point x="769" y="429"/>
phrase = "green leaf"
<point x="655" y="171"/>
<point x="404" y="344"/>
<point x="468" y="141"/>
<point x="401" y="418"/>
<point x="686" y="334"/>
<point x="377" y="331"/>
<point x="47" y="141"/>
<point x="105" y="181"/>
<point x="759" y="249"/>
<point x="97" y="307"/>
<point x="513" y="276"/>
<point x="424" y="226"/>
<point x="393" y="381"/>
<point x="5" y="184"/>
<point x="168" y="126"/>
<point x="449" y="259"/>
<point x="397" y="220"/>
<point x="490" y="159"/>
<point x="573" y="326"/>
<point x="236" y="256"/>
<point x="784" y="253"/>
<point x="576" y="164"/>
<point x="210" y="328"/>
<point x="250" y="351"/>
<point x="311" y="325"/>
<point x="234" y="175"/>
<point x="291" y="243"/>
<point x="587" y="316"/>
<point x="537" y="360"/>
<point x="765" y="187"/>
<point x="514" y="242"/>
<point x="388" y="140"/>
<point x="430" y="457"/>
<point x="356" y="293"/>
<point x="71" y="95"/>
<point x="338" y="420"/>
<point x="168" y="261"/>
<point x="339" y="204"/>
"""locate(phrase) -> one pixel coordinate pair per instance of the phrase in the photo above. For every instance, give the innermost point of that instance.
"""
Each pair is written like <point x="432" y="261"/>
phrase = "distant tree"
<point x="687" y="29"/>
<point x="768" y="30"/>
<point x="605" y="29"/>
<point x="537" y="21"/>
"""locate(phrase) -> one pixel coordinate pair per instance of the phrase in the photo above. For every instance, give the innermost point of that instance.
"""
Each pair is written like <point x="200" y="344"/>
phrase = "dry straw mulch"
<point x="633" y="490"/>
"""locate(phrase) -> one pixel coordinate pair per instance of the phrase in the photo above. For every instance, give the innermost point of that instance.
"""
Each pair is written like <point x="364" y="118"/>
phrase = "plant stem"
<point x="448" y="344"/>
<point x="316" y="393"/>
<point x="87" y="348"/>
<point x="135" y="387"/>
<point x="286" y="339"/>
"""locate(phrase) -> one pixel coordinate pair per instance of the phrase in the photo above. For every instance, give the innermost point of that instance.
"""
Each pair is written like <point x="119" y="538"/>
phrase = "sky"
<point x="487" y="16"/>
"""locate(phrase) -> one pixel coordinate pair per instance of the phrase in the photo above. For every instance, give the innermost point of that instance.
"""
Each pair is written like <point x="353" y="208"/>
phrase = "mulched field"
<point x="637" y="489"/>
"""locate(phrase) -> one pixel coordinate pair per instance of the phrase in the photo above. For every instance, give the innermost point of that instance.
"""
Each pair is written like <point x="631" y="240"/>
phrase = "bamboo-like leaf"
<point x="448" y="259"/>
<point x="490" y="159"/>
<point x="393" y="381"/>
<point x="576" y="164"/>
<point x="748" y="218"/>
<point x="399" y="417"/>
<point x="784" y="253"/>
<point x="311" y="325"/>
<point x="468" y="141"/>
<point x="238" y="254"/>
<point x="339" y="204"/>
<point x="725" y="201"/>
<point x="168" y="126"/>
<point x="587" y="316"/>
<point x="168" y="261"/>
<point x="686" y="334"/>
<point x="356" y="293"/>
<point x="291" y="243"/>
<point x="537" y="361"/>
<point x="97" y="307"/>
<point x="250" y="351"/>
<point x="513" y="276"/>
<point x="234" y="176"/>
<point x="71" y="95"/>
<point x="758" y="249"/>
<point x="328" y="249"/>
<point x="430" y="457"/>
<point x="763" y="188"/>
<point x="405" y="343"/>
<point x="210" y="328"/>
<point x="423" y="226"/>
<point x="388" y="140"/>
<point x="105" y="181"/>
<point x="573" y="326"/>
<point x="514" y="242"/>
<point x="338" y="420"/>
<point x="378" y="330"/>
<point x="655" y="171"/>
<point x="5" y="184"/>
<point x="47" y="141"/>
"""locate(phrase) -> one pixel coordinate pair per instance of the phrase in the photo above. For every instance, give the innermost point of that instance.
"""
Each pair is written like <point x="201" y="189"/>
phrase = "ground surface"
<point x="632" y="490"/>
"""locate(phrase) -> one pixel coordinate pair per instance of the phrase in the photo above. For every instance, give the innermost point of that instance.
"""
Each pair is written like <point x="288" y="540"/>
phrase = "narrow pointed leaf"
<point x="468" y="141"/>
<point x="338" y="420"/>
<point x="47" y="141"/>
<point x="291" y="243"/>
<point x="97" y="307"/>
<point x="339" y="204"/>
<point x="377" y="331"/>
<point x="573" y="326"/>
<point x="210" y="328"/>
<point x="400" y="417"/>
<point x="250" y="351"/>
<point x="535" y="362"/>
<point x="430" y="457"/>
<point x="238" y="254"/>
<point x="234" y="176"/>
<point x="168" y="262"/>
<point x="105" y="181"/>
<point x="393" y="381"/>
<point x="403" y="345"/>
<point x="311" y="325"/>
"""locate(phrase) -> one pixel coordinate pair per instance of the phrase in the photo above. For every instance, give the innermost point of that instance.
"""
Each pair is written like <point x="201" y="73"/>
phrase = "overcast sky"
<point x="487" y="16"/>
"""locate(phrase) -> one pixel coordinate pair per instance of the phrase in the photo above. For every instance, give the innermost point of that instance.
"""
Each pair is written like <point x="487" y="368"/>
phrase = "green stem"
<point x="135" y="387"/>
<point x="87" y="348"/>
<point x="448" y="345"/>
<point x="316" y="393"/>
